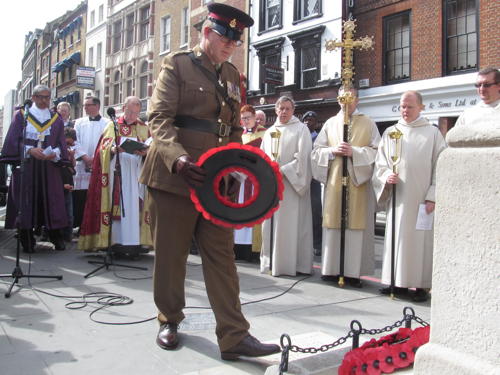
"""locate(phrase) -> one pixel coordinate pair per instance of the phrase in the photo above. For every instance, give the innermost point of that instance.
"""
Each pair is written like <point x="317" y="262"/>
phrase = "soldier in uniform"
<point x="195" y="107"/>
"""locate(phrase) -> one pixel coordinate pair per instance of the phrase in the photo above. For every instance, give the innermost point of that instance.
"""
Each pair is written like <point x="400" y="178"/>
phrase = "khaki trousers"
<point x="174" y="221"/>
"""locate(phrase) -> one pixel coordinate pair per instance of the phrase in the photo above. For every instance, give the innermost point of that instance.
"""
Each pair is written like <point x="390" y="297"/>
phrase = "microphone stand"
<point x="108" y="258"/>
<point x="17" y="272"/>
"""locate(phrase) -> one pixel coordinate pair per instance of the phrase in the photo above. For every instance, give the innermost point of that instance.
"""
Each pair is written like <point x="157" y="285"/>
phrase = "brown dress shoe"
<point x="249" y="347"/>
<point x="167" y="336"/>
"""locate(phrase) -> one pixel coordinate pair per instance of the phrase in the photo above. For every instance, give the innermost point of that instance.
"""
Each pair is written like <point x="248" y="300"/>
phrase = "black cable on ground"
<point x="105" y="300"/>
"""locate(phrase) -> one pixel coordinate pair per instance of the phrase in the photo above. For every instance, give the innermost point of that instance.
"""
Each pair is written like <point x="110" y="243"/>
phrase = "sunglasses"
<point x="485" y="85"/>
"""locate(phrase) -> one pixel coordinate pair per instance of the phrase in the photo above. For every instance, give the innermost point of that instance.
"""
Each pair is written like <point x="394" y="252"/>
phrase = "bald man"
<point x="421" y="144"/>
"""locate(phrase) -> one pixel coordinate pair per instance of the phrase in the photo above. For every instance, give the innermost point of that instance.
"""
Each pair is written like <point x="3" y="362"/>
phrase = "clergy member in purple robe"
<point x="36" y="197"/>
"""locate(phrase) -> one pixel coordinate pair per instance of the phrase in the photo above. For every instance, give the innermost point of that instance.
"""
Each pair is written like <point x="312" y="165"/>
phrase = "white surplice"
<point x="87" y="137"/>
<point x="481" y="114"/>
<point x="127" y="230"/>
<point x="359" y="244"/>
<point x="421" y="145"/>
<point x="292" y="239"/>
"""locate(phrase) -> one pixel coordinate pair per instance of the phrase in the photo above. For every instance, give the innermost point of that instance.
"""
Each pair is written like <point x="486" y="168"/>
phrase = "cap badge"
<point x="232" y="24"/>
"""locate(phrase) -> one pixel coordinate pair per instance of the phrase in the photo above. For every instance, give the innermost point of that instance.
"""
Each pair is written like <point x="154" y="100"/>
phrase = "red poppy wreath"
<point x="386" y="354"/>
<point x="262" y="176"/>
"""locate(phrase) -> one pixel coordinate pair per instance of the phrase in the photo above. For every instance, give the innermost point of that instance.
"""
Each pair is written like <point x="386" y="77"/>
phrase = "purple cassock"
<point x="42" y="196"/>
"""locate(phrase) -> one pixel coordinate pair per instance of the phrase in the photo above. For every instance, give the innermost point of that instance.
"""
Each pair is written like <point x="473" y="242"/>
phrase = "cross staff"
<point x="346" y="99"/>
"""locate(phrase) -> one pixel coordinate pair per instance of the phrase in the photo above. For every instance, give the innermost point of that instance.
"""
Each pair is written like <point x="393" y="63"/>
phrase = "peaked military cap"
<point x="309" y="114"/>
<point x="228" y="21"/>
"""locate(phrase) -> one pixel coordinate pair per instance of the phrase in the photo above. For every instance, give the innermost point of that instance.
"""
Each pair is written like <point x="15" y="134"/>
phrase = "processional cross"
<point x="345" y="99"/>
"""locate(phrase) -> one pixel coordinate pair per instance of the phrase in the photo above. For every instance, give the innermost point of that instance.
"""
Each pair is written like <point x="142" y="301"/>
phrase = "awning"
<point x="67" y="62"/>
<point x="71" y="27"/>
<point x="72" y="97"/>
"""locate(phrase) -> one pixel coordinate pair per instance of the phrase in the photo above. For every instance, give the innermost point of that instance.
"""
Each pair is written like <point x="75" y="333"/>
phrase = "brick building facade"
<point x="433" y="46"/>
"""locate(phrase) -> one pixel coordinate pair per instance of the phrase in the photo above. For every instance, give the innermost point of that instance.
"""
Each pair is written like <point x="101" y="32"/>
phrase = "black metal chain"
<point x="408" y="316"/>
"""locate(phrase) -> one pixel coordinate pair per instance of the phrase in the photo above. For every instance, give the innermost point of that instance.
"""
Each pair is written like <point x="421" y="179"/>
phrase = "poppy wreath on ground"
<point x="263" y="174"/>
<point x="386" y="354"/>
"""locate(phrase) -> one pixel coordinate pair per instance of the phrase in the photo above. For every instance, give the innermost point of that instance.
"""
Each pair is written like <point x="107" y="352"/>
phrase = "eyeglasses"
<point x="226" y="40"/>
<point x="89" y="105"/>
<point x="245" y="118"/>
<point x="485" y="85"/>
<point x="42" y="96"/>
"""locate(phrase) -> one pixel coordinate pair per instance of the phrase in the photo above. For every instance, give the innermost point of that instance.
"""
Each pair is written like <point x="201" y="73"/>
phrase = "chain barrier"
<point x="354" y="333"/>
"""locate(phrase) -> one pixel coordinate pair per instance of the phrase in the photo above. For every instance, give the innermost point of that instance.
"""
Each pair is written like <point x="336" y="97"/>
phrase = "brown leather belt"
<point x="218" y="128"/>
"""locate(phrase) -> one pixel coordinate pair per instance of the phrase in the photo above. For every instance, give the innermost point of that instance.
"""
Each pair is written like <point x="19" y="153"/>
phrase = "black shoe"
<point x="354" y="282"/>
<point x="59" y="244"/>
<point x="330" y="278"/>
<point x="397" y="290"/>
<point x="420" y="295"/>
<point x="167" y="336"/>
<point x="249" y="347"/>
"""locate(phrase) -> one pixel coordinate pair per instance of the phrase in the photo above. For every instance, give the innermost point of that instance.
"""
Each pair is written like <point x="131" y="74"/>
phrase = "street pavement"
<point x="41" y="334"/>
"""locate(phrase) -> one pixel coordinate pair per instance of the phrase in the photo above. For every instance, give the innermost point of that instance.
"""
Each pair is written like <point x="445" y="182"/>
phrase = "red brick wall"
<point x="426" y="36"/>
<point x="489" y="35"/>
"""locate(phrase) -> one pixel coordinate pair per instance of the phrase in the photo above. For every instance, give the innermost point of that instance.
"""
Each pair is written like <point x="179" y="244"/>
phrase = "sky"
<point x="18" y="18"/>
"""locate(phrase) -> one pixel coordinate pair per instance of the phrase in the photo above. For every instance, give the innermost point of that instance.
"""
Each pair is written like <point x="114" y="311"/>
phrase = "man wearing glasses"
<point x="36" y="198"/>
<point x="88" y="131"/>
<point x="487" y="112"/>
<point x="195" y="107"/>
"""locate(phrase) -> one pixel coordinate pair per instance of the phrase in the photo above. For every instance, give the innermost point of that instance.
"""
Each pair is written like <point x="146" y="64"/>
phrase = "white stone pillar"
<point x="465" y="312"/>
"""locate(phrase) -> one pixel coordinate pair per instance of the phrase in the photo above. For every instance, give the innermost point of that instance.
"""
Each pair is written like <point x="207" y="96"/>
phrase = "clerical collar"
<point x="96" y="118"/>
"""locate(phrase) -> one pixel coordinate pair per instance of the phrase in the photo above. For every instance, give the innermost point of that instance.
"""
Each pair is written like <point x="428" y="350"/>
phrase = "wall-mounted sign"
<point x="273" y="75"/>
<point x="85" y="77"/>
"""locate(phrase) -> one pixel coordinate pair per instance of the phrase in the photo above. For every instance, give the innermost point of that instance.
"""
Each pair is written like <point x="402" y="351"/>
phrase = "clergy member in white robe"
<point x="421" y="144"/>
<point x="292" y="225"/>
<point x="487" y="111"/>
<point x="129" y="216"/>
<point x="326" y="158"/>
<point x="88" y="131"/>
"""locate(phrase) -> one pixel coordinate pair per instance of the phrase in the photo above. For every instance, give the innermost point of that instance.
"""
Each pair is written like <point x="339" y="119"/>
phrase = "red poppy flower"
<point x="386" y="362"/>
<point x="369" y="344"/>
<point x="350" y="363"/>
<point x="372" y="361"/>
<point x="419" y="337"/>
<point x="404" y="356"/>
<point x="403" y="333"/>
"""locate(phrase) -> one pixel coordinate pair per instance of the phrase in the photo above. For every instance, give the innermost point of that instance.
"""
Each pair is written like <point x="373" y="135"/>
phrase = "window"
<point x="165" y="34"/>
<point x="184" y="26"/>
<point x="116" y="88"/>
<point x="92" y="18"/>
<point x="101" y="13"/>
<point x="271" y="73"/>
<point x="144" y="24"/>
<point x="79" y="34"/>
<point x="70" y="39"/>
<point x="129" y="30"/>
<point x="130" y="81"/>
<point x="397" y="47"/>
<point x="270" y="14"/>
<point x="304" y="9"/>
<point x="91" y="56"/>
<point x="70" y="72"/>
<point x="143" y="80"/>
<point x="307" y="46"/>
<point x="117" y="36"/>
<point x="98" y="56"/>
<point x="461" y="35"/>
<point x="63" y="75"/>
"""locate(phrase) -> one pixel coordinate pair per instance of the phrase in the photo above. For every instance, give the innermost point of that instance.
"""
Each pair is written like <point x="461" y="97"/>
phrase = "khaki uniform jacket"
<point x="183" y="89"/>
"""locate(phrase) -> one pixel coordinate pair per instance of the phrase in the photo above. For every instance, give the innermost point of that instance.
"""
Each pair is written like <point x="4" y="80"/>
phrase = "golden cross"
<point x="348" y="45"/>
